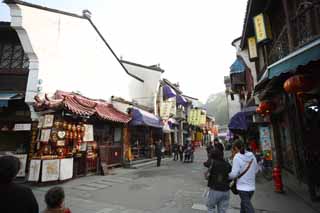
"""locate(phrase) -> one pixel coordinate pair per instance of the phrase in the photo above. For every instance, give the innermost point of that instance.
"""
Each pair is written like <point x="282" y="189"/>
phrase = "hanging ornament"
<point x="298" y="83"/>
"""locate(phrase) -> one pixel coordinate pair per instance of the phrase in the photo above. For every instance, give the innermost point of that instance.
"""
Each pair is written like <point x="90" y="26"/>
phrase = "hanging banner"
<point x="50" y="170"/>
<point x="165" y="109"/>
<point x="34" y="170"/>
<point x="66" y="169"/>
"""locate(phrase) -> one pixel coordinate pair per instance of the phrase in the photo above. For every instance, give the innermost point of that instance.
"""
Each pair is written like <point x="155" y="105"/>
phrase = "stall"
<point x="145" y="129"/>
<point x="66" y="145"/>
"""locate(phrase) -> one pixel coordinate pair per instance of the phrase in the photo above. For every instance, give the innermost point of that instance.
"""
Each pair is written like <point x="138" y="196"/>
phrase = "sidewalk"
<point x="266" y="200"/>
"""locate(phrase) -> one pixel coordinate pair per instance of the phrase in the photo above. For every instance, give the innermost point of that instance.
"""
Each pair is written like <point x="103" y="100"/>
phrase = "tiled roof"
<point x="82" y="106"/>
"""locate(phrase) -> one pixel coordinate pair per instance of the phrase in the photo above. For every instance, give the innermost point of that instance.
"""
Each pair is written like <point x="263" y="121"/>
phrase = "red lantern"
<point x="298" y="83"/>
<point x="265" y="107"/>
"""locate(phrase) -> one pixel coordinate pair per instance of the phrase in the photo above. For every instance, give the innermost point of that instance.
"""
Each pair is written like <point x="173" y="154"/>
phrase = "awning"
<point x="238" y="122"/>
<point x="144" y="118"/>
<point x="181" y="101"/>
<point x="7" y="96"/>
<point x="303" y="56"/>
<point x="237" y="67"/>
<point x="168" y="91"/>
<point x="10" y="96"/>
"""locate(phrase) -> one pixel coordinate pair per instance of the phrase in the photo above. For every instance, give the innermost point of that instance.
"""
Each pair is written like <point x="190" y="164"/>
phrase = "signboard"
<point x="165" y="109"/>
<point x="45" y="135"/>
<point x="66" y="169"/>
<point x="173" y="106"/>
<point x="23" y="164"/>
<point x="252" y="46"/>
<point x="265" y="138"/>
<point x="50" y="170"/>
<point x="22" y="127"/>
<point x="88" y="133"/>
<point x="34" y="170"/>
<point x="262" y="27"/>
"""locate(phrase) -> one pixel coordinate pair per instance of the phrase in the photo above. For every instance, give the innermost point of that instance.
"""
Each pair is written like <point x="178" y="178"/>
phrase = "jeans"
<point x="218" y="199"/>
<point x="246" y="205"/>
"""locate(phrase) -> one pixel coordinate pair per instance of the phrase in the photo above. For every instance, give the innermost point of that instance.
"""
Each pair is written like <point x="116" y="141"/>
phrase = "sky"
<point x="190" y="39"/>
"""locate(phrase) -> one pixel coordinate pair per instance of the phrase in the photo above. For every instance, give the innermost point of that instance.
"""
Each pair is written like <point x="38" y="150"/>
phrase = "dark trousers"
<point x="181" y="156"/>
<point x="176" y="156"/>
<point x="246" y="205"/>
<point x="158" y="161"/>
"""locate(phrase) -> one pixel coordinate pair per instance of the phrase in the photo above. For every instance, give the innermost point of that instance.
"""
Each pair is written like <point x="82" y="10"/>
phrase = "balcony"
<point x="305" y="28"/>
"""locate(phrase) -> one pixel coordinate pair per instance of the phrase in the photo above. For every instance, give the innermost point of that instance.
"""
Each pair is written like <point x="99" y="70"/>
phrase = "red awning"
<point x="82" y="106"/>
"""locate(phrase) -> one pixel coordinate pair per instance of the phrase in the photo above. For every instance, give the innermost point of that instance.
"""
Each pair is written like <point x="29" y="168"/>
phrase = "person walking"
<point x="175" y="152"/>
<point x="14" y="198"/>
<point x="180" y="152"/>
<point x="218" y="183"/>
<point x="244" y="164"/>
<point x="158" y="150"/>
<point x="218" y="145"/>
<point x="210" y="148"/>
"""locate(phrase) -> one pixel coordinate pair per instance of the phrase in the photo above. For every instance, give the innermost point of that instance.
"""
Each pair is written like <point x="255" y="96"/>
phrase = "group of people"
<point x="184" y="152"/>
<point x="16" y="198"/>
<point x="221" y="174"/>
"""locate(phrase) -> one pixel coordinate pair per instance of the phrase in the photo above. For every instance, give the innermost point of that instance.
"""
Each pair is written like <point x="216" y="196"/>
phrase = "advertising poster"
<point x="88" y="134"/>
<point x="50" y="170"/>
<point x="265" y="138"/>
<point x="34" y="170"/>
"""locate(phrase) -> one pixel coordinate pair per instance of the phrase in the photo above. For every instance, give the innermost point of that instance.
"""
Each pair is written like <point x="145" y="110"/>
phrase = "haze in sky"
<point x="190" y="39"/>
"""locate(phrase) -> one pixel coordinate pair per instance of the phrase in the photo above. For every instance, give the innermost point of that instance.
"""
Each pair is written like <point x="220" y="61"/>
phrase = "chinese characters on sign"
<point x="252" y="44"/>
<point x="165" y="109"/>
<point x="262" y="27"/>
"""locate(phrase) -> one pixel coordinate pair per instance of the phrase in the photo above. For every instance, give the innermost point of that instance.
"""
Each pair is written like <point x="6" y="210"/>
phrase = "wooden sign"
<point x="22" y="127"/>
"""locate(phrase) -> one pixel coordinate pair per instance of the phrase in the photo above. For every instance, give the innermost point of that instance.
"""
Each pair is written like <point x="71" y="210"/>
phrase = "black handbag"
<point x="233" y="184"/>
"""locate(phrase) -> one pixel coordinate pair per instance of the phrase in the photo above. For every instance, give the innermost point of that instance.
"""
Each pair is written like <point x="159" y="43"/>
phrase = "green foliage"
<point x="217" y="106"/>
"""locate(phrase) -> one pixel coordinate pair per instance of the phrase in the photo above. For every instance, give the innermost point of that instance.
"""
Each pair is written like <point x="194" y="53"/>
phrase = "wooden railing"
<point x="305" y="27"/>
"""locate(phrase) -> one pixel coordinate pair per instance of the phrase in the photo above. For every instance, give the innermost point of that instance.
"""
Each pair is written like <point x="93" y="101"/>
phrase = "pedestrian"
<point x="175" y="149"/>
<point x="244" y="169"/>
<point x="209" y="149"/>
<point x="54" y="199"/>
<point x="218" y="183"/>
<point x="218" y="145"/>
<point x="181" y="152"/>
<point x="14" y="198"/>
<point x="158" y="150"/>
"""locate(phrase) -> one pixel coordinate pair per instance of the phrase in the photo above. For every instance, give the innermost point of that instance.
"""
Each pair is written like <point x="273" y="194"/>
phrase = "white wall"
<point x="68" y="55"/>
<point x="144" y="93"/>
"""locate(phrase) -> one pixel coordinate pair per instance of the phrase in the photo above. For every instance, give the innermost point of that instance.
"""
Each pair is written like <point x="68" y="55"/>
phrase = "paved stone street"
<point x="174" y="187"/>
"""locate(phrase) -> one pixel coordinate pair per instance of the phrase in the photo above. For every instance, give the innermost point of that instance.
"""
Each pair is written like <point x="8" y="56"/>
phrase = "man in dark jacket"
<point x="159" y="152"/>
<point x="218" y="182"/>
<point x="218" y="145"/>
<point x="14" y="198"/>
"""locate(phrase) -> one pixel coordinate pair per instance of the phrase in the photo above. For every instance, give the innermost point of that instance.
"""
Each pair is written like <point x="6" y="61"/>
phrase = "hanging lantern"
<point x="298" y="83"/>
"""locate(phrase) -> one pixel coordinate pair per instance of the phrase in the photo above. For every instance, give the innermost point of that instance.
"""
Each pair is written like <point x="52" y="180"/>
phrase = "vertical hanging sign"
<point x="252" y="46"/>
<point x="262" y="28"/>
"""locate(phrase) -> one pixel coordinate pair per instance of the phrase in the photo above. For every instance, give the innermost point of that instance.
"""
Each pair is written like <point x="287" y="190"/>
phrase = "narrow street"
<point x="174" y="187"/>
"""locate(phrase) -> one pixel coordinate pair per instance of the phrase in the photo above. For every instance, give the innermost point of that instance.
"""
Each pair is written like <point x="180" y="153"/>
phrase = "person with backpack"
<point x="244" y="170"/>
<point x="218" y="183"/>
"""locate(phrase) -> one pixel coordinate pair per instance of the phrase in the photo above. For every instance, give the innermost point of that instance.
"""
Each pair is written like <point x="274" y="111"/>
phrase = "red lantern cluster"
<point x="265" y="108"/>
<point x="298" y="83"/>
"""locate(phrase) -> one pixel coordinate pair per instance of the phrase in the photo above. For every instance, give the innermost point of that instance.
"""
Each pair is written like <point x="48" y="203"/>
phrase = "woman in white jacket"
<point x="246" y="184"/>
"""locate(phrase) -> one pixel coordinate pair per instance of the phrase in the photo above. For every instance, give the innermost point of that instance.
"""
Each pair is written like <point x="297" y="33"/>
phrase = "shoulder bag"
<point x="233" y="185"/>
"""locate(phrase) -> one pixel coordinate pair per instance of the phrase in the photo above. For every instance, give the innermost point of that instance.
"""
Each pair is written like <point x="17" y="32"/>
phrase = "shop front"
<point x="68" y="143"/>
<point x="145" y="129"/>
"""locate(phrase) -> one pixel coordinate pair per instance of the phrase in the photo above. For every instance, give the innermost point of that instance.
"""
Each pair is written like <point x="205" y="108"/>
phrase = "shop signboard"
<point x="165" y="109"/>
<point x="265" y="138"/>
<point x="34" y="170"/>
<point x="262" y="28"/>
<point x="22" y="127"/>
<point x="48" y="121"/>
<point x="252" y="46"/>
<point x="50" y="170"/>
